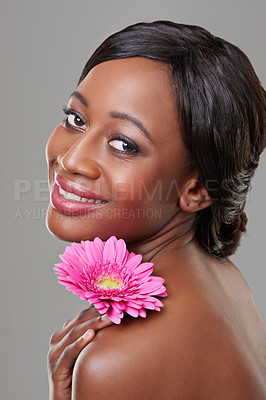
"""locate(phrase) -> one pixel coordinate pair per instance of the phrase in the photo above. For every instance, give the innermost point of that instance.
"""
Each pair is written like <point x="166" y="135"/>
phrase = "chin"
<point x="76" y="228"/>
<point x="67" y="227"/>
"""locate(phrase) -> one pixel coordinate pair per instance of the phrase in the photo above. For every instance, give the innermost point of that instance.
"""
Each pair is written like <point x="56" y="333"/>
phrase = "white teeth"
<point x="72" y="196"/>
<point x="68" y="196"/>
<point x="77" y="198"/>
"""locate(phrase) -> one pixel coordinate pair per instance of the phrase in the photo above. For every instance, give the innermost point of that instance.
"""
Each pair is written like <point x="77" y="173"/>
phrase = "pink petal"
<point x="97" y="303"/>
<point x="105" y="303"/>
<point x="67" y="248"/>
<point x="91" y="296"/>
<point x="63" y="282"/>
<point x="70" y="271"/>
<point x="73" y="288"/>
<point x="134" y="261"/>
<point x="114" y="239"/>
<point x="98" y="242"/>
<point x="119" y="314"/>
<point x="134" y="304"/>
<point x="145" y="276"/>
<point x="150" y="287"/>
<point x="113" y="316"/>
<point x="82" y="286"/>
<point x="90" y="253"/>
<point x="143" y="267"/>
<point x="120" y="251"/>
<point x="121" y="305"/>
<point x="60" y="265"/>
<point x="148" y="305"/>
<point x="159" y="292"/>
<point x="142" y="313"/>
<point x="73" y="261"/>
<point x="115" y="306"/>
<point x="131" y="255"/>
<point x="109" y="250"/>
<point x="157" y="302"/>
<point x="64" y="258"/>
<point x="79" y="251"/>
<point x="132" y="311"/>
<point x="101" y="308"/>
<point x="158" y="279"/>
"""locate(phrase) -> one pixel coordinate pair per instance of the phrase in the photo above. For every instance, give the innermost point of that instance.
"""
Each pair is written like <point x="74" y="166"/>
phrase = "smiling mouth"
<point x="74" y="197"/>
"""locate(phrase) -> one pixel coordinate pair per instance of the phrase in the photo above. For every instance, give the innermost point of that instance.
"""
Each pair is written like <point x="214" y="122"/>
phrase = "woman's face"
<point x="119" y="152"/>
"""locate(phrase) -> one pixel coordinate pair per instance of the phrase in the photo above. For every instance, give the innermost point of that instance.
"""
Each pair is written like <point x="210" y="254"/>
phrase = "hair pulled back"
<point x="221" y="107"/>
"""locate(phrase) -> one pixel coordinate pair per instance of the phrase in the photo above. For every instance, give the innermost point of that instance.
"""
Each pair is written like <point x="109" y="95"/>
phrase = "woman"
<point x="169" y="120"/>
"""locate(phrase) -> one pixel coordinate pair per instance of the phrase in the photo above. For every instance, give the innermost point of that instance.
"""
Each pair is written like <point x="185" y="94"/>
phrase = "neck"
<point x="175" y="234"/>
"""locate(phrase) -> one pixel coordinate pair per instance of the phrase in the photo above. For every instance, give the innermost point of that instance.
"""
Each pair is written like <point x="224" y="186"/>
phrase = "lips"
<point x="78" y="190"/>
<point x="72" y="199"/>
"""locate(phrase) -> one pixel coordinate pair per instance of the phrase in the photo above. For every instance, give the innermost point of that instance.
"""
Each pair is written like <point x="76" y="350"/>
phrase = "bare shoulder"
<point x="185" y="351"/>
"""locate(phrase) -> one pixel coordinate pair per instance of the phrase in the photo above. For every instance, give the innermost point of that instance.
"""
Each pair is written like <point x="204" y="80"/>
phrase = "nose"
<point x="78" y="160"/>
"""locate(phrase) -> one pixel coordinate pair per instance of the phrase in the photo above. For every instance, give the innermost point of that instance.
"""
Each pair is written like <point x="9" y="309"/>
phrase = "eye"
<point x="123" y="145"/>
<point x="73" y="120"/>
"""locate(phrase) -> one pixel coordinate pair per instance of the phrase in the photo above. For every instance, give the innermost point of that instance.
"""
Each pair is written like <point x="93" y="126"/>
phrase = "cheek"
<point x="152" y="185"/>
<point x="147" y="199"/>
<point x="133" y="184"/>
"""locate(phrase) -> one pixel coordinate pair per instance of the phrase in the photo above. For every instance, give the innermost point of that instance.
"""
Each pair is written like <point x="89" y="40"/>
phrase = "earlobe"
<point x="194" y="196"/>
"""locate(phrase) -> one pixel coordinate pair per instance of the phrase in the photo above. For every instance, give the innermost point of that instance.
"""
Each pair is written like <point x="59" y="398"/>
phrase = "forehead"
<point x="130" y="73"/>
<point x="138" y="86"/>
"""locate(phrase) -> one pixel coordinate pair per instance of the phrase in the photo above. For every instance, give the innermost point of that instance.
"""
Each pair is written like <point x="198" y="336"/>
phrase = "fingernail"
<point x="88" y="333"/>
<point x="104" y="317"/>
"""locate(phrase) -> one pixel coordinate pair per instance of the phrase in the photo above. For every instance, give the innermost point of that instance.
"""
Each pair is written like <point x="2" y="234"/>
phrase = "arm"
<point x="65" y="347"/>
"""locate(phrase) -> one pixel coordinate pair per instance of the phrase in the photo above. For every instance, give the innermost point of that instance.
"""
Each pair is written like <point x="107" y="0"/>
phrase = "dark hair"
<point x="221" y="107"/>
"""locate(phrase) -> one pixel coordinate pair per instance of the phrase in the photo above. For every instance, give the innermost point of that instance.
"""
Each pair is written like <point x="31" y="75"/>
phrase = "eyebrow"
<point x="115" y="114"/>
<point x="133" y="120"/>
<point x="79" y="96"/>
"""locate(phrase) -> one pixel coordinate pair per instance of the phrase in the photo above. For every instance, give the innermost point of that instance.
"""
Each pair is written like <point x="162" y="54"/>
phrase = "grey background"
<point x="44" y="45"/>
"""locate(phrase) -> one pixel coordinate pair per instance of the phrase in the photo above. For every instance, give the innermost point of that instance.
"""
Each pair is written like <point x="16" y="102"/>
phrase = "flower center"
<point x="107" y="283"/>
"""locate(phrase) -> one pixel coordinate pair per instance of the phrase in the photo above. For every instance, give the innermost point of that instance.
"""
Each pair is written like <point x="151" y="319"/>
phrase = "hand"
<point x="66" y="345"/>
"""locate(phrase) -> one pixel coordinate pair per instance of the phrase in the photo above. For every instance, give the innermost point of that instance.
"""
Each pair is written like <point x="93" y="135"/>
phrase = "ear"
<point x="194" y="196"/>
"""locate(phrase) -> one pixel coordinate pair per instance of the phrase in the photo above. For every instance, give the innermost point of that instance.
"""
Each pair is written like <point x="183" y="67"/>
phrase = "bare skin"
<point x="208" y="342"/>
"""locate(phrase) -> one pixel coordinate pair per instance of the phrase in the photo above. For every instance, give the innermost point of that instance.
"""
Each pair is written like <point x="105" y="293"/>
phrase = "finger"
<point x="68" y="357"/>
<point x="77" y="331"/>
<point x="67" y="322"/>
<point x="84" y="315"/>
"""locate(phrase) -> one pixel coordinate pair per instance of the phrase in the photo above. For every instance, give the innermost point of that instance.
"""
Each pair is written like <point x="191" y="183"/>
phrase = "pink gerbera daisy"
<point x="114" y="280"/>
